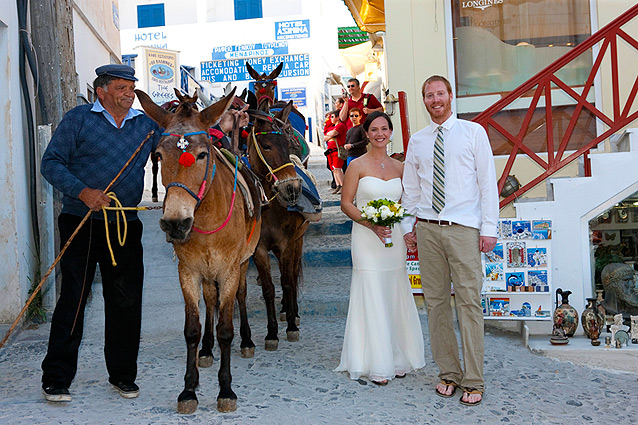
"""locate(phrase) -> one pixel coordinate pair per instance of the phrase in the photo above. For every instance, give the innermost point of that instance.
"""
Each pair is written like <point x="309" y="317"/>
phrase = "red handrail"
<point x="542" y="82"/>
<point x="405" y="120"/>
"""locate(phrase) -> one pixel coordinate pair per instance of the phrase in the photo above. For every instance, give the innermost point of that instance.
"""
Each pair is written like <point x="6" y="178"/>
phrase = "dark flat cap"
<point x="120" y="71"/>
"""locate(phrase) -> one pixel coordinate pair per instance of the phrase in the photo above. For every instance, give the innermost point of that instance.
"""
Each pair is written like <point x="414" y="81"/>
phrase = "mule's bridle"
<point x="183" y="144"/>
<point x="271" y="172"/>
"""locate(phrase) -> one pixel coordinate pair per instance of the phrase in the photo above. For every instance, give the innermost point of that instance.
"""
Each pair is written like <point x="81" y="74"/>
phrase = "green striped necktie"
<point x="438" y="182"/>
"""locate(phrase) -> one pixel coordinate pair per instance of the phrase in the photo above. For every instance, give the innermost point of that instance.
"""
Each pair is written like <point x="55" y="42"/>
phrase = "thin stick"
<point x="57" y="259"/>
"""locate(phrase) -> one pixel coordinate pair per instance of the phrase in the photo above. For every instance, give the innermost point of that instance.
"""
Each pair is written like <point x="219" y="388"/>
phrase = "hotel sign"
<point x="479" y="4"/>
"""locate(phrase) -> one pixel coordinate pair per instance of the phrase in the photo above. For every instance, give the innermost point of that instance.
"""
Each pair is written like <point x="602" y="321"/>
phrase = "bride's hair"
<point x="373" y="116"/>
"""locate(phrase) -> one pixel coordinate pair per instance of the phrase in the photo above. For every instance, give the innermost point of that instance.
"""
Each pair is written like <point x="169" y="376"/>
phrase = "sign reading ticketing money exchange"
<point x="219" y="71"/>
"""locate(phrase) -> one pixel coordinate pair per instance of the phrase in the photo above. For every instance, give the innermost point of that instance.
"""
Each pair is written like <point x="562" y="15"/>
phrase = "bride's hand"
<point x="382" y="232"/>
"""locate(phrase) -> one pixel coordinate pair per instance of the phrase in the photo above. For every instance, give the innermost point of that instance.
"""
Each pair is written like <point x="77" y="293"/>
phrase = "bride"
<point x="383" y="337"/>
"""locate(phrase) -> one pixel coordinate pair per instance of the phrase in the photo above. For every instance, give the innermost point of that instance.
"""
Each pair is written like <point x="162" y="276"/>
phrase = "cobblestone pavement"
<point x="296" y="384"/>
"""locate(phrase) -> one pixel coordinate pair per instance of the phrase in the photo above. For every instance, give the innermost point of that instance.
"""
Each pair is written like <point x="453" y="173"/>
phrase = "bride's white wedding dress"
<point x="383" y="334"/>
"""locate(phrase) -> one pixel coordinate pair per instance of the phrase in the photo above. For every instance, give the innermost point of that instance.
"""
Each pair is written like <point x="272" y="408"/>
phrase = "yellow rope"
<point x="119" y="210"/>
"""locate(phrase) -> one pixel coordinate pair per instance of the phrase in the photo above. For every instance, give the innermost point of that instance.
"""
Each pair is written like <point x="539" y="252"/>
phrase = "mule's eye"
<point x="266" y="146"/>
<point x="158" y="156"/>
<point x="202" y="155"/>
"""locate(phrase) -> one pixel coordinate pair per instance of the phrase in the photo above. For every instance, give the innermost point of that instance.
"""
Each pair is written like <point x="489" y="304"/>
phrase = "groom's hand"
<point x="487" y="243"/>
<point x="410" y="241"/>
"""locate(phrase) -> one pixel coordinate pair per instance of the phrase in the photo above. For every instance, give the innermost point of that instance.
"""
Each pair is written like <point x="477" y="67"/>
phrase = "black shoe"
<point x="56" y="393"/>
<point x="127" y="390"/>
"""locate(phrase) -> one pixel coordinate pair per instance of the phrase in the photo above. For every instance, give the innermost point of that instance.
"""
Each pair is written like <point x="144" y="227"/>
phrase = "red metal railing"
<point x="541" y="84"/>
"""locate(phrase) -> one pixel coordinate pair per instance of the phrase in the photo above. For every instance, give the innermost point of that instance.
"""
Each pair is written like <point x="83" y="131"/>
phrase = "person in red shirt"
<point x="334" y="136"/>
<point x="366" y="102"/>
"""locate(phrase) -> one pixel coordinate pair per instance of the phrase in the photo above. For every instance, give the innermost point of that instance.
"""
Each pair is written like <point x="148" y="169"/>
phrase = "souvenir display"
<point x="565" y="313"/>
<point x="592" y="321"/>
<point x="519" y="263"/>
<point x="617" y="327"/>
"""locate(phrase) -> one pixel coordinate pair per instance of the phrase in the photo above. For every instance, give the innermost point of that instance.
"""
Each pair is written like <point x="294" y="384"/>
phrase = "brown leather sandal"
<point x="469" y="391"/>
<point x="447" y="383"/>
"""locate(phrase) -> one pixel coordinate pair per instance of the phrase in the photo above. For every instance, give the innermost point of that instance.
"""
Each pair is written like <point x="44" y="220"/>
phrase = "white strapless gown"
<point x="383" y="334"/>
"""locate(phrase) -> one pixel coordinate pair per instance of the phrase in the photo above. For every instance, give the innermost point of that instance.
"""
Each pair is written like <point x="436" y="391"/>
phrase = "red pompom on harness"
<point x="186" y="159"/>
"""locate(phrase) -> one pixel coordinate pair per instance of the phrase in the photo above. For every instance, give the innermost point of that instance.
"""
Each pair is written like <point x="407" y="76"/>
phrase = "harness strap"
<point x="261" y="156"/>
<point x="230" y="211"/>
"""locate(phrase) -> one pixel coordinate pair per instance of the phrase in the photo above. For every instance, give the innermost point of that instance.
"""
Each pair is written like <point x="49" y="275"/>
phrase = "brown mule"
<point x="282" y="230"/>
<point x="212" y="232"/>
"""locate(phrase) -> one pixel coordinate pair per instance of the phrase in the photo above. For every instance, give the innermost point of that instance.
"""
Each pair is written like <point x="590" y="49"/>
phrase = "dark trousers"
<point x="122" y="291"/>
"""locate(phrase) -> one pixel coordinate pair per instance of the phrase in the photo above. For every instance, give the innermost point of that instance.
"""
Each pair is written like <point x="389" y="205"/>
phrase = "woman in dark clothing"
<point x="356" y="140"/>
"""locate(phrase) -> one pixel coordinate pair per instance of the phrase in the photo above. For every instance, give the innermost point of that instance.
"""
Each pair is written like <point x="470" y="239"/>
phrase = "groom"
<point x="450" y="187"/>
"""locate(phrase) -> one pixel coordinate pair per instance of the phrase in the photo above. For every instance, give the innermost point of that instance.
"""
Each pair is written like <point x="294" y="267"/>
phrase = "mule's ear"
<point x="283" y="114"/>
<point x="157" y="113"/>
<point x="251" y="100"/>
<point x="242" y="96"/>
<point x="179" y="95"/>
<point x="252" y="72"/>
<point x="211" y="115"/>
<point x="264" y="105"/>
<point x="276" y="72"/>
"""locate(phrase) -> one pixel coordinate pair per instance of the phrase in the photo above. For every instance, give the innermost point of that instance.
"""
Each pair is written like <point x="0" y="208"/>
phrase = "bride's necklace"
<point x="382" y="165"/>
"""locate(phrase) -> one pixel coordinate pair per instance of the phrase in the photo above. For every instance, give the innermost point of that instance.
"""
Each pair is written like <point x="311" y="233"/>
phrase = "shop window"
<point x="150" y="15"/>
<point x="614" y="236"/>
<point x="248" y="9"/>
<point x="500" y="46"/>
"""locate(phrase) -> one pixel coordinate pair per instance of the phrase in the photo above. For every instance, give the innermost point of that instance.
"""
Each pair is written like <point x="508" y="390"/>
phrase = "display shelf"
<point x="526" y="319"/>
<point x="515" y="293"/>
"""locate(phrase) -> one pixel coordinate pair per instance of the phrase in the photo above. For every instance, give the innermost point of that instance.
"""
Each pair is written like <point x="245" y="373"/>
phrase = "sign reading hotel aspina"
<point x="289" y="30"/>
<point x="479" y="4"/>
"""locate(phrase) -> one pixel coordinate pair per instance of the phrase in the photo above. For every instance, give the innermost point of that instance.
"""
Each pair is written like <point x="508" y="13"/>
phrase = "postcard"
<point x="499" y="306"/>
<point x="506" y="229"/>
<point x="541" y="229"/>
<point x="537" y="277"/>
<point x="515" y="279"/>
<point x="494" y="271"/>
<point x="496" y="254"/>
<point x="516" y="254"/>
<point x="537" y="257"/>
<point x="521" y="229"/>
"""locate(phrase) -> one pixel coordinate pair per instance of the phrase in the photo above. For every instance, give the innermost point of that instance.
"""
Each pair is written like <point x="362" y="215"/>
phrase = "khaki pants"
<point x="453" y="252"/>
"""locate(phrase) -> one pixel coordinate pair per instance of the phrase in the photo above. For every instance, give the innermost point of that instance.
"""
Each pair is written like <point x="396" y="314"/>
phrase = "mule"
<point x="212" y="232"/>
<point x="265" y="84"/>
<point x="282" y="230"/>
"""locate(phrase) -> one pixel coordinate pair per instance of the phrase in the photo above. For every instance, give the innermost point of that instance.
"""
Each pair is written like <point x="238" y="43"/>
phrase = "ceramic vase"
<point x="592" y="321"/>
<point x="565" y="315"/>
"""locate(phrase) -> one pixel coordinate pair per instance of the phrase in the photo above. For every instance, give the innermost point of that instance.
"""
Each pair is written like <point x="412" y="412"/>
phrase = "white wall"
<point x="15" y="233"/>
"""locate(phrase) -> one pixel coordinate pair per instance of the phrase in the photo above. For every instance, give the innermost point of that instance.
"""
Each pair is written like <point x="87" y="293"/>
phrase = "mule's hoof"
<point x="248" y="352"/>
<point x="154" y="199"/>
<point x="187" y="402"/>
<point x="282" y="317"/>
<point x="297" y="321"/>
<point x="272" y="344"/>
<point x="292" y="336"/>
<point x="205" y="361"/>
<point x="226" y="405"/>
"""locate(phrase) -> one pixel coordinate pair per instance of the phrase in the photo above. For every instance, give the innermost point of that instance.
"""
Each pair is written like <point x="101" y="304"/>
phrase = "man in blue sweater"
<point x="89" y="147"/>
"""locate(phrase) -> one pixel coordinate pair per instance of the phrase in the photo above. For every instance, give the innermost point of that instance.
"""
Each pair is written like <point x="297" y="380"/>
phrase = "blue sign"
<point x="298" y="96"/>
<point x="219" y="71"/>
<point x="250" y="50"/>
<point x="289" y="30"/>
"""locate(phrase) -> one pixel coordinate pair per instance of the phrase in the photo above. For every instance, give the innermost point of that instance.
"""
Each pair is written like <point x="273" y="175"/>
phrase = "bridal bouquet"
<point x="383" y="212"/>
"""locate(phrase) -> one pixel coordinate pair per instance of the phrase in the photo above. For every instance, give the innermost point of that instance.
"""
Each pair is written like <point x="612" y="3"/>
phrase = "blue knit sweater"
<point x="88" y="151"/>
